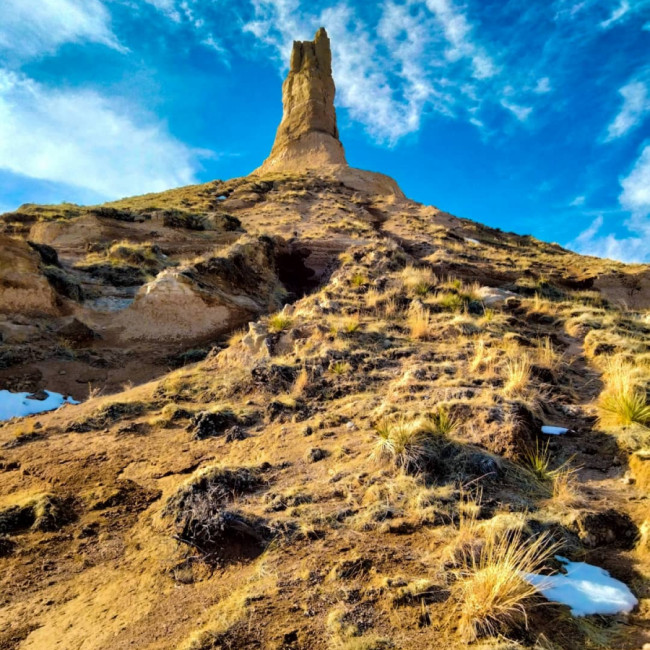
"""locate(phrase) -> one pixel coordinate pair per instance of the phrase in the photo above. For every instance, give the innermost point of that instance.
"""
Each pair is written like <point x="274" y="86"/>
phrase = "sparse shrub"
<point x="566" y="491"/>
<point x="419" y="280"/>
<point x="203" y="520"/>
<point x="301" y="383"/>
<point x="546" y="356"/>
<point x="279" y="322"/>
<point x="410" y="444"/>
<point x="398" y="440"/>
<point x="491" y="592"/>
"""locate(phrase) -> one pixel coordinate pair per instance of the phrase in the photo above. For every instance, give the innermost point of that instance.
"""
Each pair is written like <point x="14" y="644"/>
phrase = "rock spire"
<point x="307" y="136"/>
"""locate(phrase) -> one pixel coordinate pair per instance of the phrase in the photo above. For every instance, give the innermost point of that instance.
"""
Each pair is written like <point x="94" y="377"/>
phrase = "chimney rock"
<point x="307" y="137"/>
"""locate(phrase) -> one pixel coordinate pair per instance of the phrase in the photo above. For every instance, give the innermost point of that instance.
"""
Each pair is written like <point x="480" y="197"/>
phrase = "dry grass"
<point x="405" y="442"/>
<point x="418" y="280"/>
<point x="279" y="322"/>
<point x="419" y="322"/>
<point x="484" y="360"/>
<point x="490" y="593"/>
<point x="623" y="401"/>
<point x="517" y="375"/>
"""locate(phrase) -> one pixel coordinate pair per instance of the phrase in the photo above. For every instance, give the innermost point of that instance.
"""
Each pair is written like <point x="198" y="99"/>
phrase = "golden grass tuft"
<point x="517" y="375"/>
<point x="279" y="322"/>
<point x="623" y="400"/>
<point x="491" y="595"/>
<point x="419" y="322"/>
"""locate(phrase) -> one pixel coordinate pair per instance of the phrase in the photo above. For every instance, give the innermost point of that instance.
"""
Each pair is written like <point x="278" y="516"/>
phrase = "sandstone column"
<point x="307" y="136"/>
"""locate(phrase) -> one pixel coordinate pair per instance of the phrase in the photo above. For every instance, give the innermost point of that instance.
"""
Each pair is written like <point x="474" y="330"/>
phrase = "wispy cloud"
<point x="635" y="108"/>
<point x="31" y="28"/>
<point x="635" y="200"/>
<point x="81" y="138"/>
<point x="617" y="14"/>
<point x="414" y="57"/>
<point x="635" y="196"/>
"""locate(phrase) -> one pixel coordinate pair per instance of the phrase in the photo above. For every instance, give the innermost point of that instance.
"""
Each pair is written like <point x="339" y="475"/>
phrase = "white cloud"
<point x="543" y="86"/>
<point x="617" y="14"/>
<point x="522" y="113"/>
<point x="578" y="201"/>
<point x="632" y="249"/>
<point x="636" y="104"/>
<point x="31" y="28"/>
<point x="635" y="199"/>
<point x="635" y="196"/>
<point x="81" y="138"/>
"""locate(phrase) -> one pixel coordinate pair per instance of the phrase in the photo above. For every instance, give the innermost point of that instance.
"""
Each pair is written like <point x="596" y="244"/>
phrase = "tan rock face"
<point x="23" y="288"/>
<point x="307" y="136"/>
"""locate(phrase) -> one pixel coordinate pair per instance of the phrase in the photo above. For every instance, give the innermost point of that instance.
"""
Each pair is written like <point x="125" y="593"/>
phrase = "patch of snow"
<point x="469" y="240"/>
<point x="554" y="431"/>
<point x="17" y="405"/>
<point x="585" y="588"/>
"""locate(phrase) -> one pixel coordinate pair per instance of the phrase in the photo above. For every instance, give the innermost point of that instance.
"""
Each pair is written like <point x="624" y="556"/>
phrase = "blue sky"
<point x="528" y="115"/>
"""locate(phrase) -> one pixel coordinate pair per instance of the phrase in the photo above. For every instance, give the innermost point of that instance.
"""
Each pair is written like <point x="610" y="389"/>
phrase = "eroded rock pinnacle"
<point x="307" y="136"/>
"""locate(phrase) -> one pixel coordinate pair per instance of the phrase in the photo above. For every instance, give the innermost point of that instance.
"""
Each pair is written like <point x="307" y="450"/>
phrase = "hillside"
<point x="312" y="416"/>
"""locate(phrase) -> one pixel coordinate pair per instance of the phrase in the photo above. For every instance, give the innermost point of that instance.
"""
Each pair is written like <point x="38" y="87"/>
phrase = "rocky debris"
<point x="48" y="255"/>
<point x="208" y="424"/>
<point x="235" y="433"/>
<point x="188" y="220"/>
<point x="64" y="283"/>
<point x="118" y="214"/>
<point x="202" y="519"/>
<point x="77" y="332"/>
<point x="256" y="339"/>
<point x="605" y="528"/>
<point x="7" y="546"/>
<point x="508" y="430"/>
<point x="211" y="296"/>
<point x="314" y="454"/>
<point x="23" y="287"/>
<point x="640" y="468"/>
<point x="124" y="275"/>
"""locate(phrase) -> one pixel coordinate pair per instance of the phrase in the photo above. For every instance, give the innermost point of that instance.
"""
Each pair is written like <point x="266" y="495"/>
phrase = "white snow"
<point x="554" y="431"/>
<point x="16" y="405"/>
<point x="469" y="240"/>
<point x="585" y="588"/>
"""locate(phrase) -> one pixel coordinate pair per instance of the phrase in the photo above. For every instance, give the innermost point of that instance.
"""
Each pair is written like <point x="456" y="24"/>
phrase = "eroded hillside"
<point x="315" y="414"/>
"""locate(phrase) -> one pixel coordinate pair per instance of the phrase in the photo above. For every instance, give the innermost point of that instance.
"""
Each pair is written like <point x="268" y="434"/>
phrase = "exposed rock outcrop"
<point x="211" y="296"/>
<point x="308" y="137"/>
<point x="23" y="287"/>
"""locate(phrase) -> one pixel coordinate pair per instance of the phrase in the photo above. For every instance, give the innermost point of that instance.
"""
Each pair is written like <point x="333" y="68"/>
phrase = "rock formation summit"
<point x="308" y="137"/>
